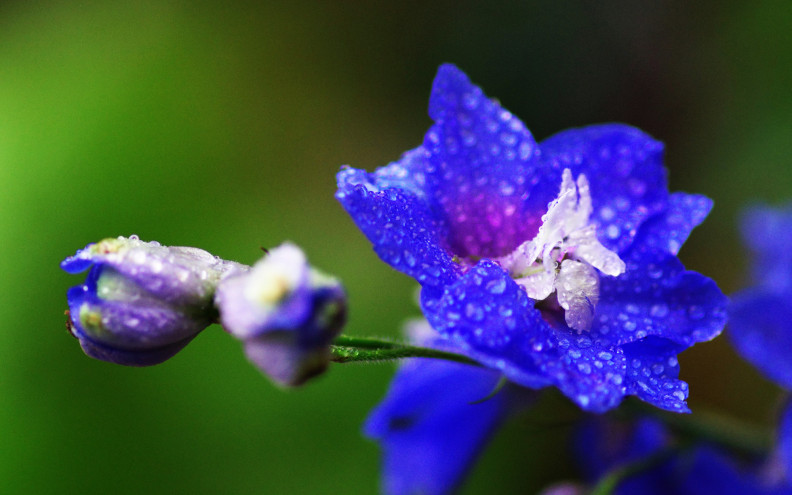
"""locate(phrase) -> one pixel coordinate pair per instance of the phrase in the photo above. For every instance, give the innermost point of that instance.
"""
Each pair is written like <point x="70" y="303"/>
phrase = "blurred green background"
<point x="221" y="125"/>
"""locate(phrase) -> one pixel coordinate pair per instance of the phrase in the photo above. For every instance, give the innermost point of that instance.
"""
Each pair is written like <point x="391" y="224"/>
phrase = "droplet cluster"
<point x="481" y="172"/>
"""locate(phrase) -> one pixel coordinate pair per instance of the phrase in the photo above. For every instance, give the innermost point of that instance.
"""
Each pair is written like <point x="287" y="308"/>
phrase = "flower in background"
<point x="141" y="302"/>
<point x="553" y="263"/>
<point x="437" y="417"/>
<point x="760" y="317"/>
<point x="286" y="313"/>
<point x="669" y="467"/>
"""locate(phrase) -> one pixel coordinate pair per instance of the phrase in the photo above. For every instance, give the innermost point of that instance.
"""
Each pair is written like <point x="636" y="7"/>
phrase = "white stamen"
<point x="564" y="254"/>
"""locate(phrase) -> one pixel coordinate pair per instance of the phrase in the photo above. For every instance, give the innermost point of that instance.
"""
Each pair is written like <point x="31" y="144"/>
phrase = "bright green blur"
<point x="221" y="126"/>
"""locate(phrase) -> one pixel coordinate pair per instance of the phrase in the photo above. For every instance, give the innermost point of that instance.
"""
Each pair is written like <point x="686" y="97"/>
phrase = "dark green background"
<point x="221" y="125"/>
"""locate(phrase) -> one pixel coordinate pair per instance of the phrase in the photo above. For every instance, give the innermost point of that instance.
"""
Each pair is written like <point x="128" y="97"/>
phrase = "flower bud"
<point x="141" y="302"/>
<point x="286" y="313"/>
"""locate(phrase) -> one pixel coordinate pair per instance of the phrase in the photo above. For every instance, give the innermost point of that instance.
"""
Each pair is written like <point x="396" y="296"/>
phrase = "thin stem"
<point x="609" y="482"/>
<point x="366" y="342"/>
<point x="701" y="425"/>
<point x="343" y="354"/>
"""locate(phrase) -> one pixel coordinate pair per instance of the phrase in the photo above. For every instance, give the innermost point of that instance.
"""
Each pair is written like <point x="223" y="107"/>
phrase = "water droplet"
<point x="696" y="312"/>
<point x="474" y="312"/>
<point x="497" y="286"/>
<point x="156" y="266"/>
<point x="659" y="310"/>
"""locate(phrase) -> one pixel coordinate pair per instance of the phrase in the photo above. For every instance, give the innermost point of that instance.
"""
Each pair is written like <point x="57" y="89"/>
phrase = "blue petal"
<point x="589" y="373"/>
<point x="403" y="230"/>
<point x="603" y="445"/>
<point x="760" y="327"/>
<point x="625" y="169"/>
<point x="125" y="357"/>
<point x="653" y="374"/>
<point x="492" y="319"/>
<point x="135" y="325"/>
<point x="768" y="232"/>
<point x="670" y="229"/>
<point x="77" y="263"/>
<point x="285" y="359"/>
<point x="656" y="296"/>
<point x="494" y="322"/>
<point x="711" y="471"/>
<point x="408" y="173"/>
<point x="429" y="427"/>
<point x="482" y="169"/>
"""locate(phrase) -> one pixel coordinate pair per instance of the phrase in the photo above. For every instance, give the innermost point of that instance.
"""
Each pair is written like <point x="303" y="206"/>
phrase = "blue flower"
<point x="286" y="313"/>
<point x="760" y="317"/>
<point x="603" y="445"/>
<point x="760" y="326"/>
<point x="141" y="302"/>
<point x="553" y="263"/>
<point x="436" y="418"/>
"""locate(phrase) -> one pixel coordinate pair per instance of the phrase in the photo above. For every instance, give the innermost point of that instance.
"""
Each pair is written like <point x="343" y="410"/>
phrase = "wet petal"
<point x="482" y="169"/>
<point x="653" y="374"/>
<point x="625" y="169"/>
<point x="657" y="296"/>
<point x="404" y="231"/>
<point x="670" y="229"/>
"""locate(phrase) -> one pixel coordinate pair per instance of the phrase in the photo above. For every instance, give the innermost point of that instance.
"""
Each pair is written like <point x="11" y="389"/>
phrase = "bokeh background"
<point x="221" y="125"/>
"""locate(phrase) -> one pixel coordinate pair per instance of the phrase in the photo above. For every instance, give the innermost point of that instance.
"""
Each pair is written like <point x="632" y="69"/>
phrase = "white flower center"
<point x="565" y="255"/>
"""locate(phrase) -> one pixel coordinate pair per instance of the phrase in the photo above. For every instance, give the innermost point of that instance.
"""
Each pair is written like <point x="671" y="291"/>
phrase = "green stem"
<point x="366" y="342"/>
<point x="609" y="482"/>
<point x="701" y="425"/>
<point x="344" y="354"/>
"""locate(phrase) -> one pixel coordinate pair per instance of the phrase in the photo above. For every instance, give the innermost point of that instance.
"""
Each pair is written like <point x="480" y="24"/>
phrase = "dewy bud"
<point x="286" y="313"/>
<point x="141" y="302"/>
